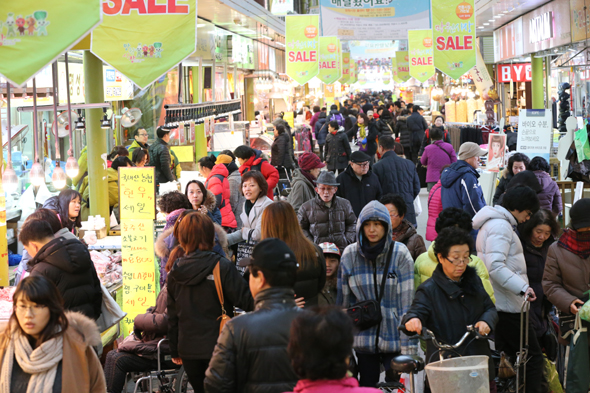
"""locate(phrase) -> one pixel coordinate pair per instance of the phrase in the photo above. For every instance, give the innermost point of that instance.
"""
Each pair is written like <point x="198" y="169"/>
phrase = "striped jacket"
<point x="356" y="283"/>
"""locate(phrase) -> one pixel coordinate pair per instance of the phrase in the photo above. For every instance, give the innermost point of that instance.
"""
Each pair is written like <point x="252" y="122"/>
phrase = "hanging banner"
<point x="454" y="36"/>
<point x="353" y="72"/>
<point x="363" y="19"/>
<point x="330" y="60"/>
<point x="481" y="76"/>
<point x="345" y="67"/>
<point x="421" y="54"/>
<point x="143" y="40"/>
<point x="34" y="34"/>
<point x="302" y="47"/>
<point x="137" y="190"/>
<point x="394" y="72"/>
<point x="403" y="65"/>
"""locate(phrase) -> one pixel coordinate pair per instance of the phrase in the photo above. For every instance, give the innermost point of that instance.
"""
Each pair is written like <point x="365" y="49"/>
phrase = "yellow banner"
<point x="137" y="193"/>
<point x="403" y="65"/>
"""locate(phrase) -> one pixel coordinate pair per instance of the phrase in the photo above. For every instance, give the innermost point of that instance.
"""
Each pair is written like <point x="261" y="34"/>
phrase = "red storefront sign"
<point x="513" y="72"/>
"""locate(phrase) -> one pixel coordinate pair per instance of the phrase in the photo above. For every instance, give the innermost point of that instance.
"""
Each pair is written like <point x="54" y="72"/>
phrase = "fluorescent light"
<point x="201" y="25"/>
<point x="491" y="20"/>
<point x="480" y="27"/>
<point x="498" y="16"/>
<point x="486" y="24"/>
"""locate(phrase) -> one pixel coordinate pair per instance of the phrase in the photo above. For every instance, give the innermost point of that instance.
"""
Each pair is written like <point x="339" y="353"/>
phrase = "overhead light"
<point x="480" y="27"/>
<point x="72" y="167"/>
<point x="59" y="177"/>
<point x="201" y="25"/>
<point x="491" y="20"/>
<point x="486" y="24"/>
<point x="105" y="124"/>
<point x="80" y="125"/>
<point x="36" y="175"/>
<point x="10" y="180"/>
<point x="498" y="16"/>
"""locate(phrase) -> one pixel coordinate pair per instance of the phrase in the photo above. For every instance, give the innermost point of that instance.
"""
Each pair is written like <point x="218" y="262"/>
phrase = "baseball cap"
<point x="471" y="149"/>
<point x="329" y="248"/>
<point x="370" y="113"/>
<point x="271" y="254"/>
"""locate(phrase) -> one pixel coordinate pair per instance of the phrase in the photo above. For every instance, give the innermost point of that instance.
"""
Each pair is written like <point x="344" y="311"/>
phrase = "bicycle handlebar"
<point x="428" y="335"/>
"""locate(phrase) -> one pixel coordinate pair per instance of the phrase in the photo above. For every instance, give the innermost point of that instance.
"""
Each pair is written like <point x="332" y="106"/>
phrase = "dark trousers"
<point x="508" y="341"/>
<point x="118" y="364"/>
<point x="321" y="152"/>
<point x="195" y="371"/>
<point x="369" y="367"/>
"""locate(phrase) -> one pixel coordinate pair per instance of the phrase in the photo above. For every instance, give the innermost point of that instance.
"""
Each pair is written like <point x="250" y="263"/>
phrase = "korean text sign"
<point x="421" y="54"/>
<point x="137" y="193"/>
<point x="345" y="67"/>
<point x="534" y="133"/>
<point x="330" y="60"/>
<point x="403" y="65"/>
<point x="302" y="47"/>
<point x="453" y="25"/>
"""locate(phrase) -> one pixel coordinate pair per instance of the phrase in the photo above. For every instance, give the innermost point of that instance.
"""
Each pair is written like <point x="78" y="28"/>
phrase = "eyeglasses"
<point x="363" y="165"/>
<point x="21" y="308"/>
<point x="459" y="261"/>
<point x="326" y="189"/>
<point x="143" y="134"/>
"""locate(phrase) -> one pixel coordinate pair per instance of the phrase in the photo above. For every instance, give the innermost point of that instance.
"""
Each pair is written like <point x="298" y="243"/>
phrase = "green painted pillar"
<point x="249" y="98"/>
<point x="200" y="141"/>
<point x="547" y="81"/>
<point x="537" y="89"/>
<point x="96" y="139"/>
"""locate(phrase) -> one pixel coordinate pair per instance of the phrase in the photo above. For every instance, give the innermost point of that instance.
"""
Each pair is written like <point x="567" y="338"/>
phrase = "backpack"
<point x="338" y="118"/>
<point x="445" y="136"/>
<point x="220" y="177"/>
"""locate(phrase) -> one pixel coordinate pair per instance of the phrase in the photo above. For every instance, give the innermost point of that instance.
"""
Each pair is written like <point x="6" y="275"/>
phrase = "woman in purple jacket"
<point x="550" y="196"/>
<point x="436" y="155"/>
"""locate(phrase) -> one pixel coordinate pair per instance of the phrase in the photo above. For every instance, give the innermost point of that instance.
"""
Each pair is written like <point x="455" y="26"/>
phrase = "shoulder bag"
<point x="217" y="278"/>
<point x="245" y="249"/>
<point x="111" y="313"/>
<point x="367" y="313"/>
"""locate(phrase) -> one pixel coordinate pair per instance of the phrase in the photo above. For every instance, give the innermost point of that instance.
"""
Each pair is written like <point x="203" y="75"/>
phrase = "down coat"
<point x="550" y="196"/>
<point x="334" y="224"/>
<point x="302" y="190"/>
<point x="461" y="188"/>
<point x="218" y="184"/>
<point x="338" y="150"/>
<point x="251" y="224"/>
<point x="434" y="208"/>
<point x="499" y="247"/>
<point x="269" y="172"/>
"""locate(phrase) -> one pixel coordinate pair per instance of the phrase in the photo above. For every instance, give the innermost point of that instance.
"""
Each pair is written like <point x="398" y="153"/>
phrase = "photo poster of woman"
<point x="496" y="152"/>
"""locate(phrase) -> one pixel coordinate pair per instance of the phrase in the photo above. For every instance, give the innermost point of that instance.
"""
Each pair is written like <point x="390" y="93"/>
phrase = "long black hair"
<point x="201" y="186"/>
<point x="64" y="198"/>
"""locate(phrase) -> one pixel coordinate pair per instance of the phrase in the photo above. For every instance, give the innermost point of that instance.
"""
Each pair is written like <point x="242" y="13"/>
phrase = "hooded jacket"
<point x="280" y="153"/>
<point x="269" y="172"/>
<point x="434" y="209"/>
<point x="467" y="302"/>
<point x="499" y="247"/>
<point x="385" y="124"/>
<point x="334" y="224"/>
<point x="410" y="237"/>
<point x="356" y="283"/>
<point x="461" y="188"/>
<point x="404" y="134"/>
<point x="338" y="150"/>
<point x="321" y="129"/>
<point x="436" y="155"/>
<point x="302" y="190"/>
<point x="251" y="353"/>
<point x="358" y="192"/>
<point x="161" y="159"/>
<point x="417" y="126"/>
<point x="136" y="145"/>
<point x="398" y="176"/>
<point x="427" y="262"/>
<point x="236" y="199"/>
<point x="193" y="304"/>
<point x="251" y="224"/>
<point x="344" y="385"/>
<point x="80" y="367"/>
<point x="550" y="196"/>
<point x="67" y="264"/>
<point x="112" y="184"/>
<point x="218" y="184"/>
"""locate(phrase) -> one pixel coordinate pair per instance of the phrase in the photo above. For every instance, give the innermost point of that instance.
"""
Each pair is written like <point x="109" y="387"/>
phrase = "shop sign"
<point x="345" y="67"/>
<point x="547" y="27"/>
<point x="242" y="51"/>
<point x="454" y="36"/>
<point x="580" y="20"/>
<point x="330" y="60"/>
<point x="33" y="33"/>
<point x="403" y="65"/>
<point x="302" y="47"/>
<point x="508" y="41"/>
<point x="116" y="86"/>
<point x="145" y="39"/>
<point x="534" y="132"/>
<point x="362" y="19"/>
<point x="205" y="42"/>
<point x="513" y="72"/>
<point x="541" y="27"/>
<point x="76" y="77"/>
<point x="421" y="54"/>
<point x="281" y="7"/>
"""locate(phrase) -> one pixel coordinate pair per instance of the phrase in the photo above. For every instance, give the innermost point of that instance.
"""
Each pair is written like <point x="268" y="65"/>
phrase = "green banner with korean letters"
<point x="403" y="65"/>
<point x="421" y="54"/>
<point x="302" y="47"/>
<point x="330" y="60"/>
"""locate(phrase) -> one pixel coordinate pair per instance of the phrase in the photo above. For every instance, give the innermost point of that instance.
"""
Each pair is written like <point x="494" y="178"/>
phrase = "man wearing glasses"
<point x="358" y="184"/>
<point x="327" y="217"/>
<point x="141" y="138"/>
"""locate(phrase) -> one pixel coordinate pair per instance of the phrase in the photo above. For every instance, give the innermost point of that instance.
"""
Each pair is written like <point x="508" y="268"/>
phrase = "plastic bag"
<point x="585" y="311"/>
<point x="582" y="145"/>
<point x="551" y="376"/>
<point x="505" y="370"/>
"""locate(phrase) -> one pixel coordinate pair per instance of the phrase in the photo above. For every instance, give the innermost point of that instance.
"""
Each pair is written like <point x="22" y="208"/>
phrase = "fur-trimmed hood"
<point x="85" y="327"/>
<point x="162" y="248"/>
<point x="210" y="201"/>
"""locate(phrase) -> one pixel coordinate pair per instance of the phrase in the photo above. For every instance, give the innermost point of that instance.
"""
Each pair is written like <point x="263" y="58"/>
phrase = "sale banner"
<point x="421" y="54"/>
<point x="143" y="40"/>
<point x="330" y="60"/>
<point x="302" y="47"/>
<point x="33" y="33"/>
<point x="394" y="72"/>
<point x="345" y="67"/>
<point x="403" y="65"/>
<point x="353" y="72"/>
<point x="454" y="36"/>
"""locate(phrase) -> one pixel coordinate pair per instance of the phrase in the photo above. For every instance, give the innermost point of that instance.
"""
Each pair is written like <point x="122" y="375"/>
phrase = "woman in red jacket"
<point x="218" y="184"/>
<point x="251" y="159"/>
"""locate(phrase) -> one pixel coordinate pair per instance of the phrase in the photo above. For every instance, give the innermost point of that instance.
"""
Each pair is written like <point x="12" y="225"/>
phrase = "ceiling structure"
<point x="493" y="14"/>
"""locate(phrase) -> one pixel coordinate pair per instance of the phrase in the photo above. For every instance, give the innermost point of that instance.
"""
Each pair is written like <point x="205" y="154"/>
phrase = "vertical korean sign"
<point x="143" y="40"/>
<point x="403" y="65"/>
<point x="421" y="54"/>
<point x="330" y="60"/>
<point x="345" y="67"/>
<point x="454" y="36"/>
<point x="138" y="210"/>
<point x="394" y="72"/>
<point x="302" y="47"/>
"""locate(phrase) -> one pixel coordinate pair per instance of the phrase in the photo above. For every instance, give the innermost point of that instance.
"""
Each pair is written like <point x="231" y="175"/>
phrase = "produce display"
<point x="471" y="107"/>
<point x="450" y="111"/>
<point x="461" y="111"/>
<point x="6" y="302"/>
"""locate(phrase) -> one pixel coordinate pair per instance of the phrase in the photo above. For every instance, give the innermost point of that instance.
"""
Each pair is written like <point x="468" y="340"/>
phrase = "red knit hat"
<point x="309" y="161"/>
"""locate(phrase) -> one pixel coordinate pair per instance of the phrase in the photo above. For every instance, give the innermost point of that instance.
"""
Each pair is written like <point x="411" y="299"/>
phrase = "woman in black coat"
<point x="403" y="133"/>
<point x="338" y="149"/>
<point x="453" y="299"/>
<point x="194" y="309"/>
<point x="281" y="148"/>
<point x="517" y="162"/>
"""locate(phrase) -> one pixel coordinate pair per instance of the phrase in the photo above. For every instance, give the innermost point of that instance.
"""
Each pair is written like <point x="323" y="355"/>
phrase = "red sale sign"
<point x="513" y="72"/>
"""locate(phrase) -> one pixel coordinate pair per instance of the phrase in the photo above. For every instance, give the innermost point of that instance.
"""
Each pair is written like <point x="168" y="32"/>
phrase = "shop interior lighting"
<point x="491" y="20"/>
<point x="486" y="24"/>
<point x="72" y="168"/>
<point x="105" y="124"/>
<point x="59" y="177"/>
<point x="480" y="27"/>
<point x="80" y="124"/>
<point x="37" y="176"/>
<point x="498" y="16"/>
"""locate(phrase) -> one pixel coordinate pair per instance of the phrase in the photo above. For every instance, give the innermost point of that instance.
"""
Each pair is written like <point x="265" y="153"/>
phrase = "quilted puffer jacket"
<point x="334" y="224"/>
<point x="218" y="184"/>
<point x="550" y="196"/>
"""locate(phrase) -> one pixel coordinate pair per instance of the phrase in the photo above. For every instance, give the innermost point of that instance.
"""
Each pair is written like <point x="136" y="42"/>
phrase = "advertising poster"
<point x="496" y="152"/>
<point x="421" y="54"/>
<point x="362" y="19"/>
<point x="302" y="47"/>
<point x="454" y="36"/>
<point x="143" y="40"/>
<point x="403" y="65"/>
<point x="330" y="60"/>
<point x="394" y="72"/>
<point x="345" y="67"/>
<point x="481" y="77"/>
<point x="353" y="72"/>
<point x="534" y="132"/>
<point x="34" y="33"/>
<point x="116" y="86"/>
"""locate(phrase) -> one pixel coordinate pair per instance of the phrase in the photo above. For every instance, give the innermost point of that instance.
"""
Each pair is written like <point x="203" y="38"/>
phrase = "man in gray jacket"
<point x="499" y="246"/>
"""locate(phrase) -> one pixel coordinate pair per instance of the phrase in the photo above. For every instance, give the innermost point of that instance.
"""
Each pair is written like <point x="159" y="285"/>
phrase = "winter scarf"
<point x="372" y="252"/>
<point x="362" y="137"/>
<point x="400" y="230"/>
<point x="575" y="242"/>
<point x="309" y="176"/>
<point x="40" y="362"/>
<point x="172" y="217"/>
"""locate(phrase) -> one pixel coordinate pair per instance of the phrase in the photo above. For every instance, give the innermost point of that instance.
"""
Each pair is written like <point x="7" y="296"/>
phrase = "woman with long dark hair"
<point x="194" y="309"/>
<point x="203" y="200"/>
<point x="280" y="221"/>
<point x="517" y="163"/>
<point x="45" y="349"/>
<point x="67" y="205"/>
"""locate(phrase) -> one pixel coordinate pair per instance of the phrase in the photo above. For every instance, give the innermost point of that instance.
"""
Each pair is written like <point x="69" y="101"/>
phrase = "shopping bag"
<point x="578" y="377"/>
<point x="551" y="376"/>
<point x="417" y="206"/>
<point x="111" y="313"/>
<point x="582" y="145"/>
<point x="244" y="251"/>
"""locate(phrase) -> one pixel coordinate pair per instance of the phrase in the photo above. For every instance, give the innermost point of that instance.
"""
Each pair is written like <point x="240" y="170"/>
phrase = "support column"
<point x="96" y="139"/>
<point x="547" y="81"/>
<point x="537" y="90"/>
<point x="249" y="98"/>
<point x="197" y="85"/>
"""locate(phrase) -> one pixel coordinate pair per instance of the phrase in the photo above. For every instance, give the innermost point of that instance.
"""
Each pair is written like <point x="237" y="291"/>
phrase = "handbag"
<point x="244" y="251"/>
<point x="417" y="206"/>
<point x="217" y="278"/>
<point x="367" y="313"/>
<point x="578" y="377"/>
<point x="111" y="313"/>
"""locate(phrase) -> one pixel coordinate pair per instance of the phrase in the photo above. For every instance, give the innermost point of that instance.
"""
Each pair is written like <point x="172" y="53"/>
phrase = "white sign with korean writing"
<point x="534" y="132"/>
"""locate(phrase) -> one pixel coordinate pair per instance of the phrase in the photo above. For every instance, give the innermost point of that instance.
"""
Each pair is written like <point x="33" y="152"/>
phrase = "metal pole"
<point x="55" y="131"/>
<point x="35" y="139"/>
<point x="71" y="126"/>
<point x="9" y="128"/>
